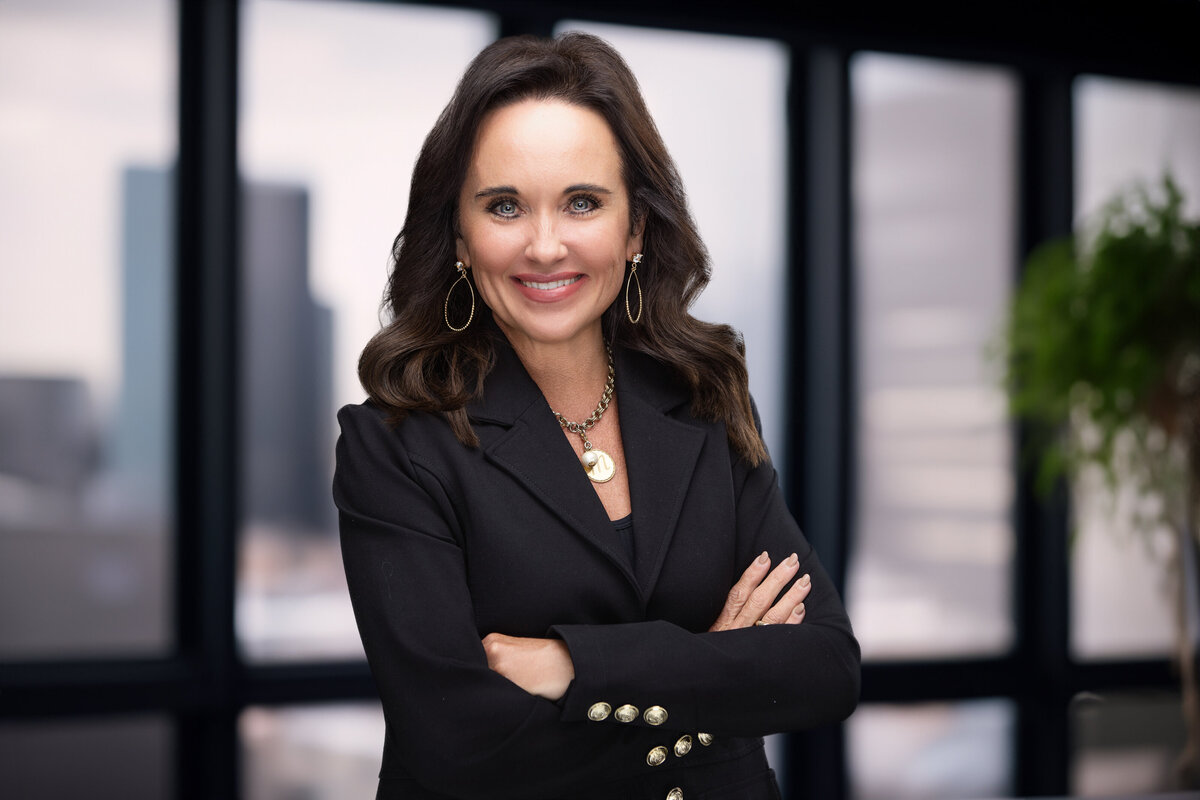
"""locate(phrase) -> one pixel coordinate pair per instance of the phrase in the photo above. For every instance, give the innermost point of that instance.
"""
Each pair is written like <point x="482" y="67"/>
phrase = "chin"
<point x="550" y="332"/>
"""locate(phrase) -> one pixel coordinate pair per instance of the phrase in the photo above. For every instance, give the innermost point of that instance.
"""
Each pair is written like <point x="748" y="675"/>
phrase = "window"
<point x="933" y="166"/>
<point x="87" y="142"/>
<point x="316" y="752"/>
<point x="1126" y="132"/>
<point x="929" y="751"/>
<point x="124" y="756"/>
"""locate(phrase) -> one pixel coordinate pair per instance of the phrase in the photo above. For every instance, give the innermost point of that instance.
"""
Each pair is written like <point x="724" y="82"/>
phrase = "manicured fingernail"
<point x="764" y="558"/>
<point x="798" y="611"/>
<point x="805" y="580"/>
<point x="793" y="560"/>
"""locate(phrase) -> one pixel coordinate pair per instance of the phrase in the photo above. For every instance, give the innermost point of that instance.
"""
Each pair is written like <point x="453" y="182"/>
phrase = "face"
<point x="544" y="222"/>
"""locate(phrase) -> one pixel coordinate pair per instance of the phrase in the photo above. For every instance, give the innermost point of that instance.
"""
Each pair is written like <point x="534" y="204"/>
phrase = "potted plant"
<point x="1102" y="355"/>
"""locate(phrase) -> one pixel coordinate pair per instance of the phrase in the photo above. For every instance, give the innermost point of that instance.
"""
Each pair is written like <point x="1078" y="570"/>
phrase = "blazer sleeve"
<point x="750" y="681"/>
<point x="460" y="728"/>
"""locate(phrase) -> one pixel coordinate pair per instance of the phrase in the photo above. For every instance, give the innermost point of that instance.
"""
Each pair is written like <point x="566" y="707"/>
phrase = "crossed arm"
<point x="543" y="667"/>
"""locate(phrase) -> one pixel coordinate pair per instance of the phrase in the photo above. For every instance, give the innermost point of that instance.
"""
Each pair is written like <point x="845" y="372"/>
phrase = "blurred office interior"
<point x="197" y="203"/>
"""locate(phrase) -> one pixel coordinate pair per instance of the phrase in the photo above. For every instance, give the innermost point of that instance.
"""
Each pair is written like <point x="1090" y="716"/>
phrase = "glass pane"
<point x="933" y="751"/>
<point x="333" y="115"/>
<point x="724" y="122"/>
<point x="315" y="753"/>
<point x="104" y="759"/>
<point x="87" y="139"/>
<point x="1125" y="132"/>
<point x="1126" y="744"/>
<point x="933" y="166"/>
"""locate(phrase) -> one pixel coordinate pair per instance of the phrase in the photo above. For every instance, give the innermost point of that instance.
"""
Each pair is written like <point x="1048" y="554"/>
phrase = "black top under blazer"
<point x="445" y="543"/>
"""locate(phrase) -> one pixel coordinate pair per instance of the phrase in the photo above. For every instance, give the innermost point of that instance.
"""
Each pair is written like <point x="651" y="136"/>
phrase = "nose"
<point x="545" y="246"/>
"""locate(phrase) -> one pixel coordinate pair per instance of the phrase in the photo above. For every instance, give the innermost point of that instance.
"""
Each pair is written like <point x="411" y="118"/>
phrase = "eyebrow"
<point x="587" y="187"/>
<point x="493" y="191"/>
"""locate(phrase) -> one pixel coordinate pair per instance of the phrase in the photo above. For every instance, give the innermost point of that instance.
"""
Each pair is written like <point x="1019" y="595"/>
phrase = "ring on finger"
<point x="762" y="622"/>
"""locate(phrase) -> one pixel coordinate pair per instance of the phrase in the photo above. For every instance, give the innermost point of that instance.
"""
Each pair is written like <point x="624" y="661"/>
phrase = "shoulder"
<point x="362" y="415"/>
<point x="364" y="425"/>
<point x="655" y="381"/>
<point x="367" y="440"/>
<point x="378" y="457"/>
<point x="371" y="432"/>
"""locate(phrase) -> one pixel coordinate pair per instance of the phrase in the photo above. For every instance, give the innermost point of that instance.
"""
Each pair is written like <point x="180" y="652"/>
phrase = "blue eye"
<point x="504" y="208"/>
<point x="583" y="204"/>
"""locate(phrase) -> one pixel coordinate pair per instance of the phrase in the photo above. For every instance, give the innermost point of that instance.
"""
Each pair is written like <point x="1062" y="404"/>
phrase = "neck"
<point x="571" y="377"/>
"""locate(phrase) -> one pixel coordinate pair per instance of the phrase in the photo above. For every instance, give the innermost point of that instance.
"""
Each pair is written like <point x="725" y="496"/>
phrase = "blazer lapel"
<point x="535" y="452"/>
<point x="661" y="454"/>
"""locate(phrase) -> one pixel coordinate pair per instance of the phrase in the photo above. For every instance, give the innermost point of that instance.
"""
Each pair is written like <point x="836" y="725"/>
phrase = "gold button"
<point x="704" y="738"/>
<point x="656" y="756"/>
<point x="675" y="794"/>
<point x="599" y="712"/>
<point x="655" y="715"/>
<point x="683" y="746"/>
<point x="626" y="713"/>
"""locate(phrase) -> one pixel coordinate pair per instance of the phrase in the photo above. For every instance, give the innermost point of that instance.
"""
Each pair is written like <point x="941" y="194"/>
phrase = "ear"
<point x="636" y="232"/>
<point x="460" y="251"/>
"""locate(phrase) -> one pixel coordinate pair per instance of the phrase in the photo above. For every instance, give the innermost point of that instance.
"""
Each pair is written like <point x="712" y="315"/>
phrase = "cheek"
<point x="491" y="257"/>
<point x="608" y="254"/>
<point x="488" y="249"/>
<point x="488" y="284"/>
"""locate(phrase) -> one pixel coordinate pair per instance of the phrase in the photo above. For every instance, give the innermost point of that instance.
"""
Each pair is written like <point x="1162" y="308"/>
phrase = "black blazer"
<point x="443" y="544"/>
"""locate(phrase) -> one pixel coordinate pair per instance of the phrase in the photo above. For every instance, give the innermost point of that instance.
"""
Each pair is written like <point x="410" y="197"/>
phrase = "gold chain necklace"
<point x="596" y="463"/>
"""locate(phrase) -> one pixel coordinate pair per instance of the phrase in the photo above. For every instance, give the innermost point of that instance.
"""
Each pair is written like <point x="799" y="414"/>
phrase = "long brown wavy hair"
<point x="415" y="363"/>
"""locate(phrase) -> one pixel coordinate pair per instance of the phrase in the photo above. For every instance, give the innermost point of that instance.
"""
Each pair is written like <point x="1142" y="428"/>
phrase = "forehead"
<point x="542" y="137"/>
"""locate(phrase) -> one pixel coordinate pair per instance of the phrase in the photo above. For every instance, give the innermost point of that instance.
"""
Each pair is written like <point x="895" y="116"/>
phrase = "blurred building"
<point x="287" y="371"/>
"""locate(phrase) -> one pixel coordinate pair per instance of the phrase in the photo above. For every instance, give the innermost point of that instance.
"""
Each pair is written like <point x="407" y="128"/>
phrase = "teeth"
<point x="551" y="284"/>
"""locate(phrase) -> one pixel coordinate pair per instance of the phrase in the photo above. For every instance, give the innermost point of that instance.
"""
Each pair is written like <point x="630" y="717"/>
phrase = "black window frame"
<point x="204" y="685"/>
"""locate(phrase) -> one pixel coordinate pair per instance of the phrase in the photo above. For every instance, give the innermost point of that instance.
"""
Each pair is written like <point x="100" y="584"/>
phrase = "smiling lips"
<point x="550" y="287"/>
<point x="550" y="284"/>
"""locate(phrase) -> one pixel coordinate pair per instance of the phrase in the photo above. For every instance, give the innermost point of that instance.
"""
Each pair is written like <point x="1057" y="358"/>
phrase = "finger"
<point x="796" y="617"/>
<point x="768" y="592"/>
<point x="794" y="596"/>
<point x="741" y="591"/>
<point x="493" y="650"/>
<point x="764" y="596"/>
<point x="784" y="609"/>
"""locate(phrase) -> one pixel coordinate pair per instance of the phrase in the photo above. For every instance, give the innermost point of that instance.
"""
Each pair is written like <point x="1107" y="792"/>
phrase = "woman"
<point x="561" y="532"/>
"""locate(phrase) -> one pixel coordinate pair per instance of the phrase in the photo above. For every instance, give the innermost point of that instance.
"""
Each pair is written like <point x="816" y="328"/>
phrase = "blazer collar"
<point x="508" y="391"/>
<point x="660" y="451"/>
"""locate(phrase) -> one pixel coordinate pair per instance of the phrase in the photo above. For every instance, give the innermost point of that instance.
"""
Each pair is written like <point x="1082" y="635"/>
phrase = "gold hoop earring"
<point x="633" y="278"/>
<point x="462" y="276"/>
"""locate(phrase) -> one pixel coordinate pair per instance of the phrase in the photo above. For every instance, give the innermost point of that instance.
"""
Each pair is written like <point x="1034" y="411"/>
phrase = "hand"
<point x="751" y="598"/>
<point x="539" y="666"/>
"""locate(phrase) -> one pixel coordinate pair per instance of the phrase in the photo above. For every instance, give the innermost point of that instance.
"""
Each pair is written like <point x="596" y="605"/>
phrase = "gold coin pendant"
<point x="598" y="465"/>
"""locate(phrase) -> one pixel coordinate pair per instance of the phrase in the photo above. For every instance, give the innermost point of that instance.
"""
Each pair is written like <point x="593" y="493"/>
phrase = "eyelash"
<point x="591" y="198"/>
<point x="494" y="207"/>
<point x="595" y="204"/>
